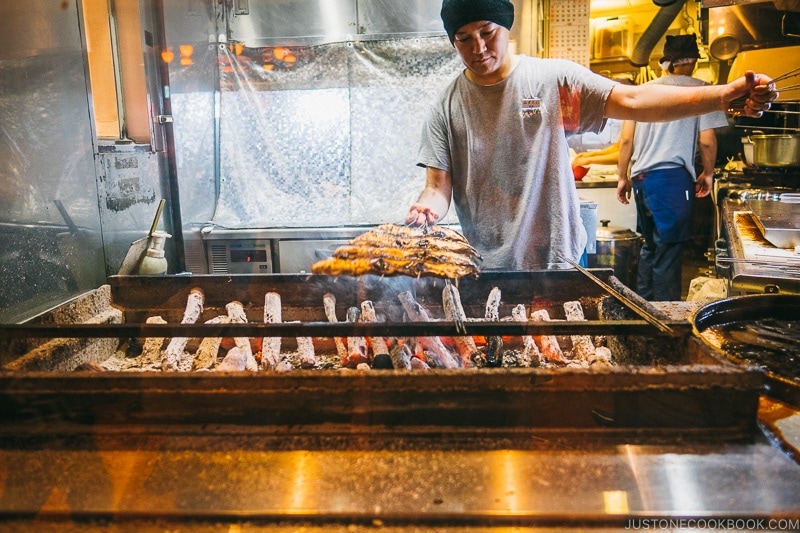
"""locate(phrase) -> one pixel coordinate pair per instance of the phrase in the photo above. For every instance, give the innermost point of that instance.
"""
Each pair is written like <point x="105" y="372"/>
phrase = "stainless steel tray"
<point x="778" y="220"/>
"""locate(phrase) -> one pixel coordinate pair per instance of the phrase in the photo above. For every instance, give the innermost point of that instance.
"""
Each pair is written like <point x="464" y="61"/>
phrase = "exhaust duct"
<point x="657" y="28"/>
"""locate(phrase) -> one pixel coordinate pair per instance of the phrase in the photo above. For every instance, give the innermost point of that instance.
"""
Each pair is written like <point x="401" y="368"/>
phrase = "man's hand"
<point x="624" y="190"/>
<point x="751" y="95"/>
<point x="703" y="186"/>
<point x="421" y="215"/>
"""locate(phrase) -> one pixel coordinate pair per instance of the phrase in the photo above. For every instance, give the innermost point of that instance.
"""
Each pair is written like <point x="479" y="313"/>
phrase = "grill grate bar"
<point x="341" y="329"/>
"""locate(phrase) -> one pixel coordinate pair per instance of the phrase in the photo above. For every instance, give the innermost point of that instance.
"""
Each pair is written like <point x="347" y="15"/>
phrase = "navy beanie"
<point x="679" y="47"/>
<point x="456" y="13"/>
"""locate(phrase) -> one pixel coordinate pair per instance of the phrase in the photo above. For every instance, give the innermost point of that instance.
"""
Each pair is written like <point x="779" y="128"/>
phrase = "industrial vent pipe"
<point x="657" y="28"/>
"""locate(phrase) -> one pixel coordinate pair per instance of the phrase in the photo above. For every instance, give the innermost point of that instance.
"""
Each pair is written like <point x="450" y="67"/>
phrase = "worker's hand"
<point x="624" y="190"/>
<point x="421" y="215"/>
<point x="751" y="95"/>
<point x="704" y="184"/>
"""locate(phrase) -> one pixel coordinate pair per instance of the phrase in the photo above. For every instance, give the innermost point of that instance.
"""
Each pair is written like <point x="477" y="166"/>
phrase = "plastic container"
<point x="154" y="263"/>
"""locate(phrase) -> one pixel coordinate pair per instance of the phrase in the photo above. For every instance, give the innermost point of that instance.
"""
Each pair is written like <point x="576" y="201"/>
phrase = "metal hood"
<point x="754" y="24"/>
<point x="257" y="23"/>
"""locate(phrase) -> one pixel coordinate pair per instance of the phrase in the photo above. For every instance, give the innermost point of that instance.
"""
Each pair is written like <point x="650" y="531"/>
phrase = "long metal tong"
<point x="633" y="306"/>
<point x="736" y="106"/>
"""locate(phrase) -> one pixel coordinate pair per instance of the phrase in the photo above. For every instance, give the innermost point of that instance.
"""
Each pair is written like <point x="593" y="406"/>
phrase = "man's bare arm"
<point x="433" y="201"/>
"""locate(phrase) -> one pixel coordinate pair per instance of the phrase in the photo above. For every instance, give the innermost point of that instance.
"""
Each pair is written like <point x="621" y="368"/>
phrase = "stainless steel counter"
<point x="234" y="478"/>
<point x="189" y="482"/>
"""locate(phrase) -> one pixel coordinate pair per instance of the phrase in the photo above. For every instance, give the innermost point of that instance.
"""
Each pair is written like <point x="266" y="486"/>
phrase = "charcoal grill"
<point x="662" y="385"/>
<point x="439" y="449"/>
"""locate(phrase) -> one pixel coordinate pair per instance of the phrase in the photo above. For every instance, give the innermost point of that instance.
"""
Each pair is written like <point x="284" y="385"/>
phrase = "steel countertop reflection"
<point x="175" y="478"/>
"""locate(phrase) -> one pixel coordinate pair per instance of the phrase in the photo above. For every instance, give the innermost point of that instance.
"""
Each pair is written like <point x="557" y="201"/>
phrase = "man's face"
<point x="483" y="47"/>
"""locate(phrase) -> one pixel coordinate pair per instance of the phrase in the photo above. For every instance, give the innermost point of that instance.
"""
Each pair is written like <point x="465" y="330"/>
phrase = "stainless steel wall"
<point x="50" y="240"/>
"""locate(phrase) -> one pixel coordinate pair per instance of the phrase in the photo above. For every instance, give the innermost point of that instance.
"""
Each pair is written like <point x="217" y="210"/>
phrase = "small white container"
<point x="154" y="263"/>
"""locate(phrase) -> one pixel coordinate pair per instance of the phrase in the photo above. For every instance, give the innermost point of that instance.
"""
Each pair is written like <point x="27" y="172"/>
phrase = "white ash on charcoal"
<point x="602" y="357"/>
<point x="551" y="350"/>
<point x="238" y="316"/>
<point x="401" y="356"/>
<point x="357" y="353"/>
<point x="433" y="347"/>
<point x="361" y="353"/>
<point x="151" y="347"/>
<point x="530" y="354"/>
<point x="175" y="357"/>
<point x="148" y="358"/>
<point x="284" y="366"/>
<point x="234" y="361"/>
<point x="582" y="345"/>
<point x="378" y="345"/>
<point x="306" y="353"/>
<point x="494" y="343"/>
<point x="207" y="353"/>
<point x="454" y="311"/>
<point x="419" y="364"/>
<point x="329" y="306"/>
<point x="271" y="346"/>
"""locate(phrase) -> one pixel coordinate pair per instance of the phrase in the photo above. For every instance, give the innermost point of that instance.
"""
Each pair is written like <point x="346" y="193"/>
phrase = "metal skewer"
<point x="633" y="306"/>
<point x="792" y="73"/>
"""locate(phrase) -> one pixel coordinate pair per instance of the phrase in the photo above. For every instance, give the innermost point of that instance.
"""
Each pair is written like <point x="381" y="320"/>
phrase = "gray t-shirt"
<point x="660" y="145"/>
<point x="505" y="146"/>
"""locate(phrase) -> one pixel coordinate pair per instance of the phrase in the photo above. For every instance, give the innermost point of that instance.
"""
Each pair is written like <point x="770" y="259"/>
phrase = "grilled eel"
<point x="394" y="236"/>
<point x="356" y="266"/>
<point x="391" y="249"/>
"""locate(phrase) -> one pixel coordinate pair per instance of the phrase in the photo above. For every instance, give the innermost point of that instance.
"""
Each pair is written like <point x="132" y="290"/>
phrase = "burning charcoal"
<point x="356" y="346"/>
<point x="237" y="315"/>
<point x="305" y="348"/>
<point x="329" y="304"/>
<point x="479" y="359"/>
<point x="454" y="311"/>
<point x="401" y="356"/>
<point x="175" y="358"/>
<point x="530" y="355"/>
<point x="133" y="348"/>
<point x="283" y="366"/>
<point x="419" y="364"/>
<point x="271" y="346"/>
<point x="368" y="314"/>
<point x="89" y="366"/>
<point x="601" y="357"/>
<point x="235" y="361"/>
<point x="382" y="361"/>
<point x="582" y="345"/>
<point x="151" y="348"/>
<point x="550" y="348"/>
<point x="207" y="352"/>
<point x="441" y="356"/>
<point x="494" y="344"/>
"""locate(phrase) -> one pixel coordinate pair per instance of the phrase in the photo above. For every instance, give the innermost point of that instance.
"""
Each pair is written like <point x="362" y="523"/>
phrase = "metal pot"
<point x="775" y="150"/>
<point x="617" y="248"/>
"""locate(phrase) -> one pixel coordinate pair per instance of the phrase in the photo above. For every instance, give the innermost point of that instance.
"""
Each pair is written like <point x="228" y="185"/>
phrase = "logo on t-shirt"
<point x="531" y="107"/>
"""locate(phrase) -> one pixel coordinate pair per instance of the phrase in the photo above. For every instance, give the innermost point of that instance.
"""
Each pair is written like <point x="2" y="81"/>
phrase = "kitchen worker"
<point x="661" y="159"/>
<point x="495" y="140"/>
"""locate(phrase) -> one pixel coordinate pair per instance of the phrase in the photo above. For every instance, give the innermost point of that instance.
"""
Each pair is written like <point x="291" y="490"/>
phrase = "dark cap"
<point x="457" y="13"/>
<point x="680" y="47"/>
